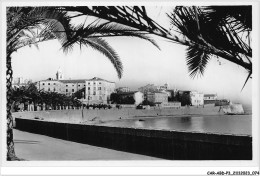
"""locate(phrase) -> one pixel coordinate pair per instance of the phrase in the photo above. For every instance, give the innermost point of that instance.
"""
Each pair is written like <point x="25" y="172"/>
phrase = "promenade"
<point x="34" y="147"/>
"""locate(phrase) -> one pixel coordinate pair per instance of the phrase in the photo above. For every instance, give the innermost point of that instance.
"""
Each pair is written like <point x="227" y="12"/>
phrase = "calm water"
<point x="225" y="124"/>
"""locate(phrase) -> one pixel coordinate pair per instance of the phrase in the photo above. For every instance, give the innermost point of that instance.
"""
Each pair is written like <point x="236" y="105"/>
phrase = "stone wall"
<point x="113" y="114"/>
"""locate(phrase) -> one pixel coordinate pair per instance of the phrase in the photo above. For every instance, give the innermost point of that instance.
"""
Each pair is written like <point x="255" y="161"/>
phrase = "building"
<point x="168" y="92"/>
<point x="67" y="87"/>
<point x="99" y="90"/>
<point x="59" y="74"/>
<point x="190" y="98"/>
<point x="148" y="88"/>
<point x="157" y="97"/>
<point x="152" y="88"/>
<point x="197" y="98"/>
<point x="136" y="95"/>
<point x="19" y="82"/>
<point x="163" y="88"/>
<point x="123" y="89"/>
<point x="210" y="98"/>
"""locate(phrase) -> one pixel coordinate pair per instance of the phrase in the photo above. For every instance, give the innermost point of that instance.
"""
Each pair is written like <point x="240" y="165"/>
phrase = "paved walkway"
<point x="34" y="147"/>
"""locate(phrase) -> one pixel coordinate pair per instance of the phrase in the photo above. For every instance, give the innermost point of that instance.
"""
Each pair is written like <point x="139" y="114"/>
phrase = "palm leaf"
<point x="197" y="61"/>
<point x="102" y="46"/>
<point x="106" y="30"/>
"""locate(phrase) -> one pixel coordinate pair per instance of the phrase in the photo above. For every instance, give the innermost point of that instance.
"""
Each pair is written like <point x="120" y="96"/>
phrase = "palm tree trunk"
<point x="10" y="141"/>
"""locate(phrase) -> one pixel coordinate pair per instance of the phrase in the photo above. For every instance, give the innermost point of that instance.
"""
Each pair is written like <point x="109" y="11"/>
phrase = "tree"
<point x="115" y="98"/>
<point x="28" y="26"/>
<point x="221" y="31"/>
<point x="80" y="93"/>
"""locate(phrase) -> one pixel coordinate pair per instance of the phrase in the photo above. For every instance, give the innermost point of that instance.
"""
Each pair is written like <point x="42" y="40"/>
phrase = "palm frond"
<point x="249" y="76"/>
<point x="197" y="61"/>
<point x="106" y="30"/>
<point x="102" y="46"/>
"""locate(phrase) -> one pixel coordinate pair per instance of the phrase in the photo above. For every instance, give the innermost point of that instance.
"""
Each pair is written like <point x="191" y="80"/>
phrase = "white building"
<point x="99" y="90"/>
<point x="197" y="98"/>
<point x="210" y="97"/>
<point x="67" y="87"/>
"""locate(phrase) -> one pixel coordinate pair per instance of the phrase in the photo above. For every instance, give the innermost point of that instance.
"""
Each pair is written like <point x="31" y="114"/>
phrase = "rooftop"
<point x="78" y="80"/>
<point x="127" y="93"/>
<point x="73" y="81"/>
<point x="210" y="95"/>
<point x="99" y="79"/>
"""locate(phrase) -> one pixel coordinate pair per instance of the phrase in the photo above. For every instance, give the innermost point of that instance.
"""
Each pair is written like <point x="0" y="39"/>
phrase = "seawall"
<point x="175" y="145"/>
<point x="78" y="116"/>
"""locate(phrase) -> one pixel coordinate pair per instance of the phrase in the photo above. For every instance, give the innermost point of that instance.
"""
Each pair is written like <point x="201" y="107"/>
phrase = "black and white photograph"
<point x="131" y="84"/>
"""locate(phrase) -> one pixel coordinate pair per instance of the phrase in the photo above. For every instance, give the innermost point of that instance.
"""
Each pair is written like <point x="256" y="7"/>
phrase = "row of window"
<point x="48" y="84"/>
<point x="94" y="88"/>
<point x="66" y="84"/>
<point x="94" y="92"/>
<point x="72" y="90"/>
<point x="94" y="83"/>
<point x="49" y="89"/>
<point x="73" y="85"/>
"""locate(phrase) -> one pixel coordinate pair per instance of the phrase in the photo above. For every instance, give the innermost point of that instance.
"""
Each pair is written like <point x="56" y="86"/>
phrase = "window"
<point x="54" y="89"/>
<point x="49" y="83"/>
<point x="94" y="88"/>
<point x="67" y="85"/>
<point x="54" y="83"/>
<point x="49" y="89"/>
<point x="88" y="88"/>
<point x="88" y="83"/>
<point x="72" y="90"/>
<point x="94" y="83"/>
<point x="43" y="84"/>
<point x="73" y="85"/>
<point x="84" y="85"/>
<point x="94" y="93"/>
<point x="78" y="85"/>
<point x="99" y="88"/>
<point x="66" y="90"/>
<point x="100" y="98"/>
<point x="99" y="83"/>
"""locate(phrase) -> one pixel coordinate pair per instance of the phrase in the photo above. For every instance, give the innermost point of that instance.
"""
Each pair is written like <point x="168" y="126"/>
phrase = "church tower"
<point x="59" y="74"/>
<point x="166" y="86"/>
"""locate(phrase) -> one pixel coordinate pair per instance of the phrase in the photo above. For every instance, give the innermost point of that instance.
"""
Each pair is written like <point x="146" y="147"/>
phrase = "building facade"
<point x="157" y="97"/>
<point x="67" y="87"/>
<point x="20" y="82"/>
<point x="197" y="98"/>
<point x="210" y="98"/>
<point x="136" y="95"/>
<point x="123" y="89"/>
<point x="98" y="91"/>
<point x="148" y="88"/>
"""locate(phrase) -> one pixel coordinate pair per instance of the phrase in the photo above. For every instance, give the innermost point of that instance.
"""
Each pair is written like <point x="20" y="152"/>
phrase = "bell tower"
<point x="59" y="74"/>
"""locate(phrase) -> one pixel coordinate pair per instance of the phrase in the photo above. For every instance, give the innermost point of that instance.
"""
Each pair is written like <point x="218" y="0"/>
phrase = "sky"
<point x="143" y="64"/>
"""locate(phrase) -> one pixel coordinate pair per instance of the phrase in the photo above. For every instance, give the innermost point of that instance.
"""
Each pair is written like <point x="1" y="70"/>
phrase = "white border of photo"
<point x="130" y="167"/>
